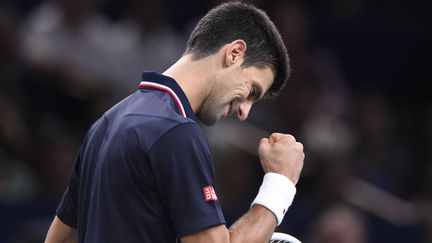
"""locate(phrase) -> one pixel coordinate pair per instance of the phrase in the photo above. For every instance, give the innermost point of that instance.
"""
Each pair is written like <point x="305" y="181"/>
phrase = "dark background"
<point x="358" y="99"/>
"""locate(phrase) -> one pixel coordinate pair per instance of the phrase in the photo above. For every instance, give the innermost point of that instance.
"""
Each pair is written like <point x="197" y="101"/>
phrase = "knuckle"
<point x="290" y="137"/>
<point x="274" y="135"/>
<point x="300" y="146"/>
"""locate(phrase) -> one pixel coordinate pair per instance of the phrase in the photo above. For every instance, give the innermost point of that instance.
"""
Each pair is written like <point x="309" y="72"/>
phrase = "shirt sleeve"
<point x="184" y="174"/>
<point x="67" y="209"/>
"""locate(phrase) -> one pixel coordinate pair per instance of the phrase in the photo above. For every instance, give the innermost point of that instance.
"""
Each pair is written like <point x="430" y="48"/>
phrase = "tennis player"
<point x="144" y="172"/>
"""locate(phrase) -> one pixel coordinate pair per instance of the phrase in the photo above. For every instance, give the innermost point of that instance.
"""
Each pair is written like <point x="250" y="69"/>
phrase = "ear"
<point x="235" y="52"/>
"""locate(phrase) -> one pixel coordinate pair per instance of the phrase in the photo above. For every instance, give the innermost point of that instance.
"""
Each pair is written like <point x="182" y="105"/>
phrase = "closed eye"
<point x="255" y="93"/>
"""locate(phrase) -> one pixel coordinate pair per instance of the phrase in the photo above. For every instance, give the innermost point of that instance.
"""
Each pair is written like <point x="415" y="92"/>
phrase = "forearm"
<point x="282" y="159"/>
<point x="274" y="197"/>
<point x="61" y="233"/>
<point x="257" y="225"/>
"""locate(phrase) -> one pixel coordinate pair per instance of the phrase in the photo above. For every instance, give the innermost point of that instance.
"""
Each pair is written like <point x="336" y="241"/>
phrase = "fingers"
<point x="274" y="137"/>
<point x="264" y="140"/>
<point x="264" y="145"/>
<point x="281" y="153"/>
<point x="300" y="145"/>
<point x="300" y="149"/>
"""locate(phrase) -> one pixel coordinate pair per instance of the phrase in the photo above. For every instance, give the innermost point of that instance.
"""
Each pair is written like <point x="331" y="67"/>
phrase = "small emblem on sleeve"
<point x="209" y="193"/>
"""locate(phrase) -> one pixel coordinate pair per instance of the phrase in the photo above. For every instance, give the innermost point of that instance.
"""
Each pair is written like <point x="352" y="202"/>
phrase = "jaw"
<point x="211" y="115"/>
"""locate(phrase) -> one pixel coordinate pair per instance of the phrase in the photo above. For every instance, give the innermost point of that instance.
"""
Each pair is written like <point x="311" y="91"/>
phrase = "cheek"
<point x="229" y="87"/>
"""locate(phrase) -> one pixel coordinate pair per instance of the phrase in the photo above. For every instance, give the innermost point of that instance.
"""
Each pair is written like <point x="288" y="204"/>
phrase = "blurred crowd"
<point x="357" y="99"/>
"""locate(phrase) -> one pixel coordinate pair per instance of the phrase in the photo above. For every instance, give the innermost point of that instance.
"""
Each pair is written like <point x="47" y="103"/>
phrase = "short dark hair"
<point x="236" y="20"/>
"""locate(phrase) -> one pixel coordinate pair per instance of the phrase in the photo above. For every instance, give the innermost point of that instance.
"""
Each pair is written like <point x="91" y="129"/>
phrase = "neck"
<point x="194" y="77"/>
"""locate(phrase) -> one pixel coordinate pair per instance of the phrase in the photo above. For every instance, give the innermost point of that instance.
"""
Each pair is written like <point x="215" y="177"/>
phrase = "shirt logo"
<point x="209" y="193"/>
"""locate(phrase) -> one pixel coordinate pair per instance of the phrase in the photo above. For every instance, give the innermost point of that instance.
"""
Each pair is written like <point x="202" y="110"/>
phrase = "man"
<point x="144" y="172"/>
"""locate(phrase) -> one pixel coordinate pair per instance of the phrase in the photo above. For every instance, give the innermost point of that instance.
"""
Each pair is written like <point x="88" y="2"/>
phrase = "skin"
<point x="217" y="86"/>
<point x="61" y="233"/>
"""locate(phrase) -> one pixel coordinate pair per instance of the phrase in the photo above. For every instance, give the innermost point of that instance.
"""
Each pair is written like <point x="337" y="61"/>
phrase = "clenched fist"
<point x="281" y="153"/>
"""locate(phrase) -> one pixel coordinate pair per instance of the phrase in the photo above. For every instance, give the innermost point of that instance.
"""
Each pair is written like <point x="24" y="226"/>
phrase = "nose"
<point x="243" y="110"/>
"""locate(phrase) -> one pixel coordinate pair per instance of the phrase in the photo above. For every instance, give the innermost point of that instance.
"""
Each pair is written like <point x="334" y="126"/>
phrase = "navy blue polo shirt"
<point x="144" y="172"/>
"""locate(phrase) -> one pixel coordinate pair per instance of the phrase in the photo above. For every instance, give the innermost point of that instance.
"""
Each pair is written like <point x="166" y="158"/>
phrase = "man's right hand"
<point x="282" y="154"/>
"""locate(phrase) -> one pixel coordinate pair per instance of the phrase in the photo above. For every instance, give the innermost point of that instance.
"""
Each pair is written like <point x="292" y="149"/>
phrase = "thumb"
<point x="263" y="145"/>
<point x="274" y="137"/>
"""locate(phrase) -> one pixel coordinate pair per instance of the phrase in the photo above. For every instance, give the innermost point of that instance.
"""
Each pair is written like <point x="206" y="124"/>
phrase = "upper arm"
<point x="60" y="232"/>
<point x="183" y="173"/>
<point x="214" y="234"/>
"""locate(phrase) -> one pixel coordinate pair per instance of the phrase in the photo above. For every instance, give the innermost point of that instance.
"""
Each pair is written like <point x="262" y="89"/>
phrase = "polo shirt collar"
<point x="169" y="85"/>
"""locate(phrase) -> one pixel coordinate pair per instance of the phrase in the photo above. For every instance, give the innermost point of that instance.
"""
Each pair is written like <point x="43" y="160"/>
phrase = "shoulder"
<point x="186" y="140"/>
<point x="149" y="116"/>
<point x="180" y="134"/>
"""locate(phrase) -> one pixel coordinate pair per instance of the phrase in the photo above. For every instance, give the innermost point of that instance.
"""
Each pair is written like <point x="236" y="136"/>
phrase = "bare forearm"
<point x="282" y="158"/>
<point x="257" y="225"/>
<point x="61" y="233"/>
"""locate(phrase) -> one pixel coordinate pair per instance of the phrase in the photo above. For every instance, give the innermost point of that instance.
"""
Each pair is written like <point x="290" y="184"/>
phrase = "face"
<point x="234" y="91"/>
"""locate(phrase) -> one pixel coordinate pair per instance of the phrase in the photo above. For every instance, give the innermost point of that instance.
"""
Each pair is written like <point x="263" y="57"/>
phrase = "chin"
<point x="209" y="120"/>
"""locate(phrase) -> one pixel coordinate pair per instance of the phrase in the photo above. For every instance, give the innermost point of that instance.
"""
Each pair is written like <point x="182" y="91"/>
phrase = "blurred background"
<point x="358" y="99"/>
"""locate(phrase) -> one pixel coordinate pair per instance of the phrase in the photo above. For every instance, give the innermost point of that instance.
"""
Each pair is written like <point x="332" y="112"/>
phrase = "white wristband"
<point x="276" y="194"/>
